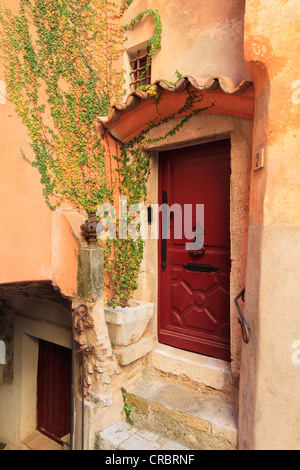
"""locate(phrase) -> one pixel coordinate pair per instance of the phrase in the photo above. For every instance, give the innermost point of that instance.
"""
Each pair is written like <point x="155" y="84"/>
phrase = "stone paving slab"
<point x="124" y="436"/>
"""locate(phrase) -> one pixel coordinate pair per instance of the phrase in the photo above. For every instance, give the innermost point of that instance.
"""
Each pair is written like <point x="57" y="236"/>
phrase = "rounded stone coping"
<point x="121" y="315"/>
<point x="127" y="325"/>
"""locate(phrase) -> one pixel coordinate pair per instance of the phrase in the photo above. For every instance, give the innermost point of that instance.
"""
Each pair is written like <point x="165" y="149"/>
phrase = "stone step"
<point x="198" y="421"/>
<point x="124" y="436"/>
<point x="207" y="372"/>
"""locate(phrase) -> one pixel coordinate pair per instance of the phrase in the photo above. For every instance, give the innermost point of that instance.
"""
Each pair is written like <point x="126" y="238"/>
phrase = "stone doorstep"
<point x="195" y="419"/>
<point x="203" y="370"/>
<point x="124" y="436"/>
<point x="66" y="442"/>
<point x="38" y="441"/>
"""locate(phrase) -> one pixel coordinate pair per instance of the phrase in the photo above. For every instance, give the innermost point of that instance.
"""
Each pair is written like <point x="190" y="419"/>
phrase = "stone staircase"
<point x="169" y="413"/>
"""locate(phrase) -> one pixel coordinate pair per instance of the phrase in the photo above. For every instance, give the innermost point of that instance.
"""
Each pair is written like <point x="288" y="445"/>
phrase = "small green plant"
<point x="126" y="409"/>
<point x="154" y="43"/>
<point x="146" y="371"/>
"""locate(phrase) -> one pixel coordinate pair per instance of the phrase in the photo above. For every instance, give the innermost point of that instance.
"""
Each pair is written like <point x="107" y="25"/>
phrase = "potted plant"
<point x="123" y="253"/>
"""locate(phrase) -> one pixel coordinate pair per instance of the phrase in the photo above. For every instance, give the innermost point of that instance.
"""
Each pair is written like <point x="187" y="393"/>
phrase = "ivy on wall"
<point x="154" y="43"/>
<point x="59" y="59"/>
<point x="64" y="51"/>
<point x="134" y="167"/>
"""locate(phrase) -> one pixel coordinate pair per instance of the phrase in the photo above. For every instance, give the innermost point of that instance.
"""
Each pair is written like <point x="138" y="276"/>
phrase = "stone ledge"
<point x="207" y="371"/>
<point x="133" y="352"/>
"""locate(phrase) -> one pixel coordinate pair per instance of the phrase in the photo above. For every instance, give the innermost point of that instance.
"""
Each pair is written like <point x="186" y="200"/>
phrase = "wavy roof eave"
<point x="228" y="85"/>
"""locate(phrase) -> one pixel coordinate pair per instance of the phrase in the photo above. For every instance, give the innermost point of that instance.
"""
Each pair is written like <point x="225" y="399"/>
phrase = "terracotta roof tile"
<point x="133" y="100"/>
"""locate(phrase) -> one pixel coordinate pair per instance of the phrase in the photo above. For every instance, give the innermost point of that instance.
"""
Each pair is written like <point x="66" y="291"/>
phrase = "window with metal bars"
<point x="141" y="69"/>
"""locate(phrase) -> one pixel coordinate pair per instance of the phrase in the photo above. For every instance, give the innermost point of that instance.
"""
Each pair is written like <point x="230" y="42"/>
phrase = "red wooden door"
<point x="194" y="286"/>
<point x="54" y="390"/>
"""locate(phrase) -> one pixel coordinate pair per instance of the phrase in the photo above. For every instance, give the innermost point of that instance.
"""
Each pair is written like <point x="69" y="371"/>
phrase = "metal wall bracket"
<point x="241" y="320"/>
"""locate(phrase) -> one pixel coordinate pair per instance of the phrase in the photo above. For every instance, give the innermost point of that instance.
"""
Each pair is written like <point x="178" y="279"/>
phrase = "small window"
<point x="140" y="74"/>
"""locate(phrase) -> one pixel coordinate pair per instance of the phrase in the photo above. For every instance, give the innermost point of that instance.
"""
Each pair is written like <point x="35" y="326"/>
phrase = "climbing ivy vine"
<point x="122" y="269"/>
<point x="64" y="51"/>
<point x="154" y="42"/>
<point x="60" y="71"/>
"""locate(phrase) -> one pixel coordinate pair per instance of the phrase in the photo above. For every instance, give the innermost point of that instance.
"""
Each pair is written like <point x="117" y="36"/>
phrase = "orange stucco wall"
<point x="270" y="375"/>
<point x="26" y="222"/>
<point x="31" y="235"/>
<point x="35" y="243"/>
<point x="199" y="38"/>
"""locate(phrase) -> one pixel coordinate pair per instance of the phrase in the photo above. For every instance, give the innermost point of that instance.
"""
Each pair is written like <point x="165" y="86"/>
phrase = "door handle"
<point x="201" y="268"/>
<point x="241" y="320"/>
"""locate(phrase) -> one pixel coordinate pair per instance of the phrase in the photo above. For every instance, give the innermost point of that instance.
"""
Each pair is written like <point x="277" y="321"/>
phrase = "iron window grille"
<point x="141" y="70"/>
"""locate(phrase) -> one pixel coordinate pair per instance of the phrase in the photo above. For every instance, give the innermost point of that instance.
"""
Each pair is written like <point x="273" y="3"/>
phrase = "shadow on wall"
<point x="2" y="92"/>
<point x="250" y="353"/>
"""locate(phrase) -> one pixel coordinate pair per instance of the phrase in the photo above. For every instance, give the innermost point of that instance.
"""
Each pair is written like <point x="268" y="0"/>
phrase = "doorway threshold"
<point x="38" y="441"/>
<point x="203" y="370"/>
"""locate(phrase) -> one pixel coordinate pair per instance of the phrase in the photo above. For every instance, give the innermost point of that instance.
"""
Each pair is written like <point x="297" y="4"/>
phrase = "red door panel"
<point x="194" y="305"/>
<point x="54" y="390"/>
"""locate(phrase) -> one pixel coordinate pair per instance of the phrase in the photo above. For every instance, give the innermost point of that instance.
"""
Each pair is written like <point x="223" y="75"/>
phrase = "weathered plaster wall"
<point x="199" y="38"/>
<point x="35" y="242"/>
<point x="25" y="220"/>
<point x="270" y="385"/>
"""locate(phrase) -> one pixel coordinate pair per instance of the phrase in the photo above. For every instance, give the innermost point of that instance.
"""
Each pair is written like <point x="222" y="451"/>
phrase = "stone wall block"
<point x="90" y="273"/>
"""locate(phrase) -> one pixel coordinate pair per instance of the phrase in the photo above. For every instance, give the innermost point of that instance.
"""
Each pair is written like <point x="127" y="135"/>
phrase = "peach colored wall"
<point x="26" y="222"/>
<point x="270" y="374"/>
<point x="26" y="232"/>
<point x="199" y="38"/>
<point x="31" y="235"/>
<point x="35" y="243"/>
